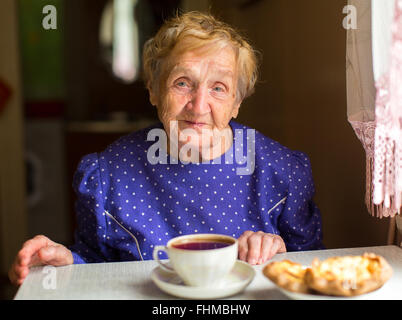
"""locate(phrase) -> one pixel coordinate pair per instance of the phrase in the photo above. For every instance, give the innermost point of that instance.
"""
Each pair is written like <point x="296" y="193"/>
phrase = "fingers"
<point x="254" y="248"/>
<point x="38" y="251"/>
<point x="26" y="256"/>
<point x="274" y="245"/>
<point x="282" y="245"/>
<point x="17" y="274"/>
<point x="267" y="248"/>
<point x="243" y="245"/>
<point x="258" y="247"/>
<point x="250" y="246"/>
<point x="56" y="255"/>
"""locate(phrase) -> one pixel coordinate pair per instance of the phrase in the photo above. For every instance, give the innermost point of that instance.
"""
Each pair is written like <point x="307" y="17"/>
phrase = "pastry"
<point x="336" y="276"/>
<point x="288" y="275"/>
<point x="348" y="275"/>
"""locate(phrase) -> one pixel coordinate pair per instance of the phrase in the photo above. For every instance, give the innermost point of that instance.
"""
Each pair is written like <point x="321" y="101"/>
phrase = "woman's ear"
<point x="152" y="95"/>
<point x="235" y="110"/>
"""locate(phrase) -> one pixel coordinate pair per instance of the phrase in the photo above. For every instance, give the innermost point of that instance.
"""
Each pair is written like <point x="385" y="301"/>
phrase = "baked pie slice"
<point x="336" y="276"/>
<point x="288" y="275"/>
<point x="348" y="275"/>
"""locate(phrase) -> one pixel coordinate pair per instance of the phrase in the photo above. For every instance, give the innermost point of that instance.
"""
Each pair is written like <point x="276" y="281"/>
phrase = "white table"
<point x="131" y="280"/>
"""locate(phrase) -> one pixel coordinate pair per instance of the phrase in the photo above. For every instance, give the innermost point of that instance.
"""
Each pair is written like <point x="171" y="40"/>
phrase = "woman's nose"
<point x="199" y="103"/>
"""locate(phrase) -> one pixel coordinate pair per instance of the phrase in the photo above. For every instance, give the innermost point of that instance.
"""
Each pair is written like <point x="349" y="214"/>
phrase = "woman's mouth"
<point x="195" y="124"/>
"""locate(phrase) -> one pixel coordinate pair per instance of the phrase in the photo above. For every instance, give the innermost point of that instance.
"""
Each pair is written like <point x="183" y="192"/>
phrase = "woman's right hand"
<point x="37" y="251"/>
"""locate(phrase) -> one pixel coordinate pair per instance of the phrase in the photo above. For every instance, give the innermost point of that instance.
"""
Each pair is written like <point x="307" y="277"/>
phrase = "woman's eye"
<point x="181" y="84"/>
<point x="218" y="89"/>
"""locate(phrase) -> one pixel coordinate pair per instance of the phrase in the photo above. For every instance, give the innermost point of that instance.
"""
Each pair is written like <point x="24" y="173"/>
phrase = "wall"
<point x="93" y="93"/>
<point x="300" y="101"/>
<point x="12" y="172"/>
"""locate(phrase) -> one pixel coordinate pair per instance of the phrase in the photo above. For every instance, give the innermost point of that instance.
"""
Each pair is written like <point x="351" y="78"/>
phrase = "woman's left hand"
<point x="258" y="247"/>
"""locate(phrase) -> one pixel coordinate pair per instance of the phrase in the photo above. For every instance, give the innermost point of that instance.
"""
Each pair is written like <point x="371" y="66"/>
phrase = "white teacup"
<point x="201" y="260"/>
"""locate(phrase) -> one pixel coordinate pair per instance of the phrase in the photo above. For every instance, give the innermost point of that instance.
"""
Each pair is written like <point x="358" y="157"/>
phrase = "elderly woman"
<point x="198" y="71"/>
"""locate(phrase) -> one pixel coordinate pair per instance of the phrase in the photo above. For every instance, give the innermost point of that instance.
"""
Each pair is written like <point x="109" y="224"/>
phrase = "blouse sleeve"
<point x="90" y="234"/>
<point x="300" y="221"/>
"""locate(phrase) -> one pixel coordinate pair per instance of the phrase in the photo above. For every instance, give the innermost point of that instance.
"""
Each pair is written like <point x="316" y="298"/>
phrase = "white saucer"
<point x="238" y="279"/>
<point x="306" y="296"/>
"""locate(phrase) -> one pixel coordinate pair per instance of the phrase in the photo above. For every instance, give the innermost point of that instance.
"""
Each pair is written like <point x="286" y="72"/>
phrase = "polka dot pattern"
<point x="126" y="205"/>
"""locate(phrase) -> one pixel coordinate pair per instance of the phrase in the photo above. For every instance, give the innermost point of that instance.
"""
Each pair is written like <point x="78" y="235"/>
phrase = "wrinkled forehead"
<point x="219" y="54"/>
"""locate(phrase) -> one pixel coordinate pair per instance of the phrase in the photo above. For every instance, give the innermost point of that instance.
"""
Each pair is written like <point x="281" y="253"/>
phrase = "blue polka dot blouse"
<point x="126" y="205"/>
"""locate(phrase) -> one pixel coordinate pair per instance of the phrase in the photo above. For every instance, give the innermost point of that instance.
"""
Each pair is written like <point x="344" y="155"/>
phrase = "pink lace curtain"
<point x="374" y="98"/>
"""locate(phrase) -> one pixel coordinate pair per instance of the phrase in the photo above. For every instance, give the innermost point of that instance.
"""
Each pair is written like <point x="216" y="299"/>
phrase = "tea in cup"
<point x="201" y="260"/>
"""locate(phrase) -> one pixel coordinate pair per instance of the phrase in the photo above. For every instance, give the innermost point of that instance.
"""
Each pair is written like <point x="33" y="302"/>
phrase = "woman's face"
<point x="199" y="93"/>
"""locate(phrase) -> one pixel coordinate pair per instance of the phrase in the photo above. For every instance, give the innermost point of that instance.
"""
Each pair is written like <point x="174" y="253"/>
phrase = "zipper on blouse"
<point x="277" y="204"/>
<point x="125" y="229"/>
